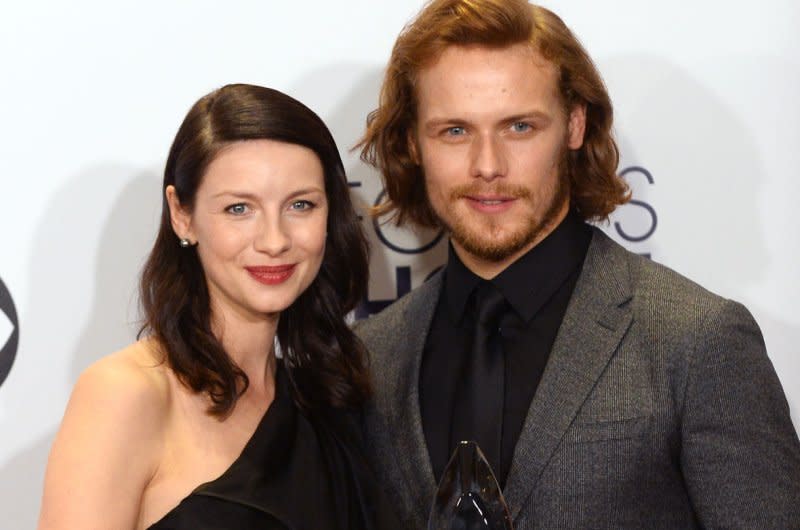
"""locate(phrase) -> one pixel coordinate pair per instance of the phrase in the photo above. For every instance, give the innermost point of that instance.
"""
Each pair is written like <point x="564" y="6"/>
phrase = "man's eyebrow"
<point x="435" y="123"/>
<point x="534" y="115"/>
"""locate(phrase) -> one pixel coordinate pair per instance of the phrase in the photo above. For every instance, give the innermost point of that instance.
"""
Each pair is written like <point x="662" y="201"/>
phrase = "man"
<point x="606" y="391"/>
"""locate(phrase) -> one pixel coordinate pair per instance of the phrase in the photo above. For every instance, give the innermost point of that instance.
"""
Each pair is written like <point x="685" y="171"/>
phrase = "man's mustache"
<point x="502" y="189"/>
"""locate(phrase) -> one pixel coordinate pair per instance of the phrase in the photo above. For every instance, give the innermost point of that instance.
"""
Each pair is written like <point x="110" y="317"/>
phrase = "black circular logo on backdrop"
<point x="9" y="332"/>
<point x="419" y="249"/>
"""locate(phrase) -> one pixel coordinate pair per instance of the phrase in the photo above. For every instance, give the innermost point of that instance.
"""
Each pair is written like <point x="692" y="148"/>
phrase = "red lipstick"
<point x="274" y="275"/>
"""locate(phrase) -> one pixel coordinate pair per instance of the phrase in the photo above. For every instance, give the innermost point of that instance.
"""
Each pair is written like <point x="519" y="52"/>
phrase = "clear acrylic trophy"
<point x="468" y="497"/>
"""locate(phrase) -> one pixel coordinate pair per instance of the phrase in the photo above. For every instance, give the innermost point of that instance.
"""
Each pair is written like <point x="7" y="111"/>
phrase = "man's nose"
<point x="488" y="157"/>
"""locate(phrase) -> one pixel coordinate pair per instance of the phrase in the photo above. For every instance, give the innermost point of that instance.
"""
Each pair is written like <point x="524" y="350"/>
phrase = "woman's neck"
<point x="250" y="344"/>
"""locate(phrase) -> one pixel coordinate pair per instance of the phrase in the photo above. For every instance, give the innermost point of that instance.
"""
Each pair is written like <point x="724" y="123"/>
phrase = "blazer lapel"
<point x="403" y="393"/>
<point x="595" y="322"/>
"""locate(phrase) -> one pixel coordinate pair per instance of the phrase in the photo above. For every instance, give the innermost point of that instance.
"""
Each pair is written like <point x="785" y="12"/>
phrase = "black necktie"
<point x="484" y="383"/>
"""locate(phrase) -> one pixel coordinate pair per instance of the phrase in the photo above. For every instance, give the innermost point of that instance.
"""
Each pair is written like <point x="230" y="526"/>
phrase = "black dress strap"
<point x="294" y="473"/>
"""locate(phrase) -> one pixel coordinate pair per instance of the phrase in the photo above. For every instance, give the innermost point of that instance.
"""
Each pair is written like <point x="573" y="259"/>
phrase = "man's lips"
<point x="491" y="199"/>
<point x="271" y="275"/>
<point x="490" y="203"/>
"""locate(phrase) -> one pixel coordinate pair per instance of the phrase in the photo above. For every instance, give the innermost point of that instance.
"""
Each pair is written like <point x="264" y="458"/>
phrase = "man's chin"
<point x="491" y="249"/>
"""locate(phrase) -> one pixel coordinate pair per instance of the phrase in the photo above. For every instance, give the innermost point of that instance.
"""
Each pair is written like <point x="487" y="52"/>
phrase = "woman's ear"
<point x="179" y="216"/>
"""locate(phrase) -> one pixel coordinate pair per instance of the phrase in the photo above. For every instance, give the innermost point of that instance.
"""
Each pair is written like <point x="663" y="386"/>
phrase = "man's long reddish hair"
<point x="595" y="188"/>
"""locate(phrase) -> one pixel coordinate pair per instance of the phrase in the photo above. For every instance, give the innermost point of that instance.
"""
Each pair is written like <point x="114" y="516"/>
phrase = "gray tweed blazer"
<point x="659" y="408"/>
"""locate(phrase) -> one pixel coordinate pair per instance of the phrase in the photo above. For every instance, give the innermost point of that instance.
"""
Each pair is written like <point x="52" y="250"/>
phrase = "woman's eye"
<point x="521" y="126"/>
<point x="237" y="209"/>
<point x="302" y="205"/>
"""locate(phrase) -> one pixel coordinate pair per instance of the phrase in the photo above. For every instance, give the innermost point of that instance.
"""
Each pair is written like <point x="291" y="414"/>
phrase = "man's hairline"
<point x="566" y="106"/>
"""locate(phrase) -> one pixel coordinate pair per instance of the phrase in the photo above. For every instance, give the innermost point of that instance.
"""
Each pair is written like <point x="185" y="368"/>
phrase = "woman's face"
<point x="259" y="222"/>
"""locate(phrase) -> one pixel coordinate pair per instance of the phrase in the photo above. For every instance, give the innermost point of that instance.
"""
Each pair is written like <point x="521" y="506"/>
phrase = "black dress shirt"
<point x="538" y="287"/>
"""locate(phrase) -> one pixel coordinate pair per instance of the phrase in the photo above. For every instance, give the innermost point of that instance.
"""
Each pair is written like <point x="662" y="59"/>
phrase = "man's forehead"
<point x="454" y="51"/>
<point x="480" y="75"/>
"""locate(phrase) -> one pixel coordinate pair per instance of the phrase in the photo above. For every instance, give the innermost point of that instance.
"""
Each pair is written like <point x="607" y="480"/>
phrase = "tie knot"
<point x="490" y="304"/>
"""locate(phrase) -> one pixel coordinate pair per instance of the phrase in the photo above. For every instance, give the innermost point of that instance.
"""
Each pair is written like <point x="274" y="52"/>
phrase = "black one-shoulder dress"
<point x="295" y="473"/>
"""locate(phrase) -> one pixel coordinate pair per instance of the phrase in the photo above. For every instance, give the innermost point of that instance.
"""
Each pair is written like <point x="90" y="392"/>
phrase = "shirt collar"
<point x="531" y="280"/>
<point x="459" y="282"/>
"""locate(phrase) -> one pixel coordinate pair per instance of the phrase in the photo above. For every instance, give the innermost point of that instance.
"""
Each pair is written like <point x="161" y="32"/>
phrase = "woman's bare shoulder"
<point x="110" y="441"/>
<point x="140" y="367"/>
<point x="134" y="382"/>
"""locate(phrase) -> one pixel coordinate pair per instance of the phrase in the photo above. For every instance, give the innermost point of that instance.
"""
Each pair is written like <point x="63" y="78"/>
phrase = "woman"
<point x="198" y="424"/>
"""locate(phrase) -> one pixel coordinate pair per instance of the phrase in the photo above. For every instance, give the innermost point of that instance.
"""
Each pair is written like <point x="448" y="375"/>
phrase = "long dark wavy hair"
<point x="326" y="363"/>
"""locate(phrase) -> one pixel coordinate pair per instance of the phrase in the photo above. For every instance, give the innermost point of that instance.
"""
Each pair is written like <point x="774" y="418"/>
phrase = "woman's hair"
<point x="326" y="362"/>
<point x="595" y="188"/>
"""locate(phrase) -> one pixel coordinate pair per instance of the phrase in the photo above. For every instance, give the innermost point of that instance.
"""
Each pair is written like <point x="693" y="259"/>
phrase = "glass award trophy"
<point x="468" y="497"/>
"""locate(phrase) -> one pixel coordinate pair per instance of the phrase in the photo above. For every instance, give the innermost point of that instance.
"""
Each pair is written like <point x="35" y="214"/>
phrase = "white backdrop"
<point x="92" y="92"/>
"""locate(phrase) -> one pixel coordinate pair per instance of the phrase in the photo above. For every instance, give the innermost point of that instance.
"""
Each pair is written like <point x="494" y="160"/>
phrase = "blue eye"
<point x="456" y="131"/>
<point x="302" y="205"/>
<point x="521" y="126"/>
<point x="237" y="209"/>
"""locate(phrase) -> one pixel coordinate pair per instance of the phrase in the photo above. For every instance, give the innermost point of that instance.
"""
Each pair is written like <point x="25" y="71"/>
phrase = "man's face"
<point x="492" y="138"/>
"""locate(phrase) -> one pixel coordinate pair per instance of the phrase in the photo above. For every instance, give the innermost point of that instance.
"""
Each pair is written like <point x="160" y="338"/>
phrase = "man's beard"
<point x="482" y="242"/>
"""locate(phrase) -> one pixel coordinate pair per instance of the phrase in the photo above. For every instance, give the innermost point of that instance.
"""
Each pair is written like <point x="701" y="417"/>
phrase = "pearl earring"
<point x="184" y="243"/>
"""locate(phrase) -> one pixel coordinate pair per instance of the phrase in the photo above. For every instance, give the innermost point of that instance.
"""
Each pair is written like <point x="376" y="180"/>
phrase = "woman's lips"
<point x="271" y="275"/>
